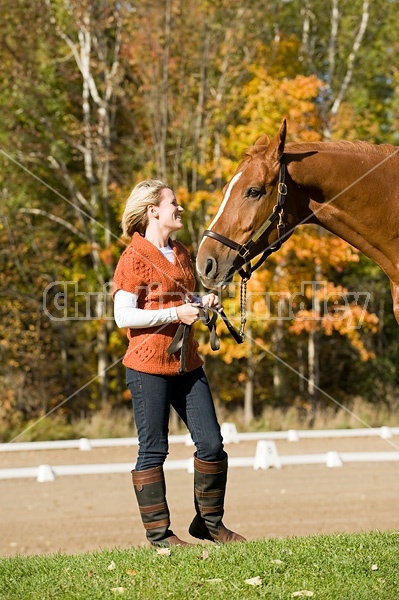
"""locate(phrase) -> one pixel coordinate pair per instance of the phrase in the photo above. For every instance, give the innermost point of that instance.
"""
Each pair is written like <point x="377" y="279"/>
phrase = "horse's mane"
<point x="357" y="147"/>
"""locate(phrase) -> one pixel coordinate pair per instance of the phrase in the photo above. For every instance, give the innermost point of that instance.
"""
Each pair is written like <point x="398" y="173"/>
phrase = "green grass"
<point x="333" y="567"/>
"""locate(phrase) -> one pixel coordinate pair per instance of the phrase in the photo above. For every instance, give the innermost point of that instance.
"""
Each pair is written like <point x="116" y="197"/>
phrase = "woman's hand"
<point x="211" y="300"/>
<point x="187" y="313"/>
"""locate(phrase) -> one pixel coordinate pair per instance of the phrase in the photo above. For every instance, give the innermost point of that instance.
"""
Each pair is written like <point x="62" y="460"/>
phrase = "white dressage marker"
<point x="45" y="473"/>
<point x="333" y="459"/>
<point x="85" y="444"/>
<point x="266" y="456"/>
<point x="229" y="433"/>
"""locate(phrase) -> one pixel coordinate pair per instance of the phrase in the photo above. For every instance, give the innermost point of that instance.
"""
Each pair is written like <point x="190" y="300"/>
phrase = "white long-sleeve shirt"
<point x="127" y="314"/>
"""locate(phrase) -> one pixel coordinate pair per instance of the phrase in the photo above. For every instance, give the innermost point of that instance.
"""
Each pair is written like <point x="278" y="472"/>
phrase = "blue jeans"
<point x="190" y="396"/>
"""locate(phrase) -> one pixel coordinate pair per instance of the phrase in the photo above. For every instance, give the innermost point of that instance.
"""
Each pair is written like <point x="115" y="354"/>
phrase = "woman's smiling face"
<point x="169" y="212"/>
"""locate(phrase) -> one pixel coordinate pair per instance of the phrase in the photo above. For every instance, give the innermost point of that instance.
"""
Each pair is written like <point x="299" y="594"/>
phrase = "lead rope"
<point x="243" y="306"/>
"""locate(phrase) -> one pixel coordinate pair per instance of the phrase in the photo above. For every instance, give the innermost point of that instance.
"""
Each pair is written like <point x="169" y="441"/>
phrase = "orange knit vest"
<point x="143" y="270"/>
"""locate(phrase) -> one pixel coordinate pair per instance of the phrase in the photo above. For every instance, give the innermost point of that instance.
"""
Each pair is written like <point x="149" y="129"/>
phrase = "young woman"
<point x="153" y="292"/>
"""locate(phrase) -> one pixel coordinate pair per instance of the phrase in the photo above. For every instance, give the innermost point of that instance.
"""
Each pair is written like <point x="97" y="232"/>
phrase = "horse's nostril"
<point x="210" y="266"/>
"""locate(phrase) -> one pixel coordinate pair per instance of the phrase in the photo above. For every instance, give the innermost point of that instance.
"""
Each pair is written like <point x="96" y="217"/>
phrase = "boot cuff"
<point x="147" y="476"/>
<point x="213" y="467"/>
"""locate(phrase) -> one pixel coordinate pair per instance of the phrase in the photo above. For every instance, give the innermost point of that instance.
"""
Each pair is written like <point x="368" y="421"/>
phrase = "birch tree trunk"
<point x="99" y="70"/>
<point x="313" y="349"/>
<point x="277" y="342"/>
<point x="330" y="69"/>
<point x="252" y="362"/>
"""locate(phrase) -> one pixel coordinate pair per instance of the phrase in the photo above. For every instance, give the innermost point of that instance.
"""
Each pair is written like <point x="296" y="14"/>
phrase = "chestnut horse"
<point x="349" y="188"/>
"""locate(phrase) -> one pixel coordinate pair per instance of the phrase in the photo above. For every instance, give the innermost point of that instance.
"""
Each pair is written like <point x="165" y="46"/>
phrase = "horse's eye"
<point x="253" y="192"/>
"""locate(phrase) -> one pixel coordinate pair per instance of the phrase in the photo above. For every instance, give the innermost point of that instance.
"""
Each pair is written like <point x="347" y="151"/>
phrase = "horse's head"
<point x="249" y="203"/>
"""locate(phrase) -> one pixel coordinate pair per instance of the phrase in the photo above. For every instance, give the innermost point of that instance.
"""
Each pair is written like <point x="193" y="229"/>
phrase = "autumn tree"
<point x="62" y="140"/>
<point x="99" y="94"/>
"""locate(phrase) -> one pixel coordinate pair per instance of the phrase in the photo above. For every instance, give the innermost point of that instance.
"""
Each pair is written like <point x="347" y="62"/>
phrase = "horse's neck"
<point x="354" y="198"/>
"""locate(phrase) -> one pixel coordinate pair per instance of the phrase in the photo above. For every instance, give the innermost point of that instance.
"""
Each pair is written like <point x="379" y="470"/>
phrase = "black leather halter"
<point x="243" y="250"/>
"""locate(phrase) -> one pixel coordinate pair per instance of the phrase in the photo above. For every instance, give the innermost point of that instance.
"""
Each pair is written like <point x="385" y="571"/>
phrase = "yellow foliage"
<point x="269" y="100"/>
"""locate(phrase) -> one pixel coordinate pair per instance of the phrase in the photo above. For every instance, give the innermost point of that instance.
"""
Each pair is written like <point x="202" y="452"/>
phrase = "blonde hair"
<point x="142" y="196"/>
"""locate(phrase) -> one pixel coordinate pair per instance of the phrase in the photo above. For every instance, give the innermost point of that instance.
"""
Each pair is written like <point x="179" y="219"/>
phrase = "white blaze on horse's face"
<point x="226" y="198"/>
<point x="205" y="240"/>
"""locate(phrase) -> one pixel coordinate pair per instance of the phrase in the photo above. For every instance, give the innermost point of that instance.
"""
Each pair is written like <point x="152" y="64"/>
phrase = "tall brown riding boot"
<point x="210" y="480"/>
<point x="150" y="489"/>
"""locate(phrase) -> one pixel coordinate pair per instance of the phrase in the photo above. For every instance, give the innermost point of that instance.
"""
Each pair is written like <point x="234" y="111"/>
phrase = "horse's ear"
<point x="278" y="142"/>
<point x="264" y="140"/>
<point x="283" y="134"/>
